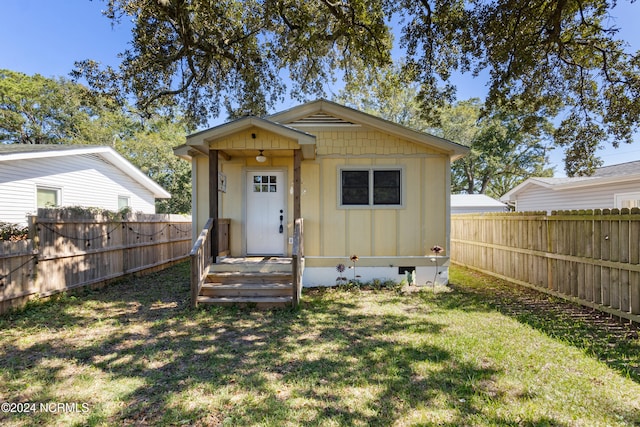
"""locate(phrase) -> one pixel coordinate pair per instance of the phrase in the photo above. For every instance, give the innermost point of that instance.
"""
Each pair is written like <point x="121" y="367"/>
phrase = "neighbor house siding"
<point x="83" y="180"/>
<point x="21" y="195"/>
<point x="537" y="198"/>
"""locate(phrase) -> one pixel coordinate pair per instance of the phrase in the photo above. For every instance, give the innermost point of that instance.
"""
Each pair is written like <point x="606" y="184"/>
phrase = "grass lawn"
<point x="478" y="353"/>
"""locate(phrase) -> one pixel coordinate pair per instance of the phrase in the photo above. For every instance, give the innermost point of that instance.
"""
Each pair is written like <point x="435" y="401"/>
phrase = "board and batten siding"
<point x="329" y="229"/>
<point x="408" y="230"/>
<point x="83" y="180"/>
<point x="538" y="198"/>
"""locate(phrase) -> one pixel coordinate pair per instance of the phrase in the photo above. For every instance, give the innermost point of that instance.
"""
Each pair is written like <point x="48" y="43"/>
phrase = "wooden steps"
<point x="260" y="282"/>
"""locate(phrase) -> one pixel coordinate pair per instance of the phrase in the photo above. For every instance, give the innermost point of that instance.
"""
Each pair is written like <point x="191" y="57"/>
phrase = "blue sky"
<point x="48" y="36"/>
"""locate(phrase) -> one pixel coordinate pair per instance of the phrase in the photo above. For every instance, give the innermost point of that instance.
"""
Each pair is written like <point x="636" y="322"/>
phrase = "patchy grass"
<point x="473" y="354"/>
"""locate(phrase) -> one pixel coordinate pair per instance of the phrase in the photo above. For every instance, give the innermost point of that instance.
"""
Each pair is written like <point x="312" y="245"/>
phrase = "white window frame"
<point x="57" y="190"/>
<point x="371" y="169"/>
<point x="124" y="197"/>
<point x="621" y="197"/>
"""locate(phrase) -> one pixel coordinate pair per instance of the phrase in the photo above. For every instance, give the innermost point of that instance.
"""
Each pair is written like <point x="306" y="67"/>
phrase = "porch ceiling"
<point x="203" y="141"/>
<point x="235" y="153"/>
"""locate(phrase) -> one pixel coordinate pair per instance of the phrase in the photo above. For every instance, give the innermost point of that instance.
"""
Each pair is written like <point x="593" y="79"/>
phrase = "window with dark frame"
<point x="364" y="187"/>
<point x="355" y="187"/>
<point x="386" y="187"/>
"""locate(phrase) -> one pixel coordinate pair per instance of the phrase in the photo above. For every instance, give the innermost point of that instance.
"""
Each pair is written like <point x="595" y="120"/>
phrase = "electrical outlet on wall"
<point x="291" y="240"/>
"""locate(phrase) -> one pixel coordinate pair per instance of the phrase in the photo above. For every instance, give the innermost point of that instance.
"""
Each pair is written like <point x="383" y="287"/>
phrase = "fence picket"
<point x="77" y="249"/>
<point x="588" y="257"/>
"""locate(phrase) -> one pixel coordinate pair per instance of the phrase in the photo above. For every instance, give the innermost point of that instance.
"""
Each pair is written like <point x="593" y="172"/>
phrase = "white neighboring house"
<point x="33" y="176"/>
<point x="615" y="186"/>
<point x="475" y="203"/>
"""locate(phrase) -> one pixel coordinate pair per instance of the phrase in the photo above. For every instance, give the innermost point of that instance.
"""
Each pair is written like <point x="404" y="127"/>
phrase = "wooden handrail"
<point x="200" y="260"/>
<point x="297" y="258"/>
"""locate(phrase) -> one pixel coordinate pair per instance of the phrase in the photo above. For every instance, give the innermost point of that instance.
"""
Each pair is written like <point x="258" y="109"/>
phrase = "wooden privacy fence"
<point x="589" y="257"/>
<point x="70" y="249"/>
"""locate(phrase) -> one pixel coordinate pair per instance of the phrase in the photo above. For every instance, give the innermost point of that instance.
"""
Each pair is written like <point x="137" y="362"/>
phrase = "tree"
<point x="38" y="110"/>
<point x="388" y="92"/>
<point x="150" y="149"/>
<point x="552" y="57"/>
<point x="505" y="149"/>
<point x="201" y="54"/>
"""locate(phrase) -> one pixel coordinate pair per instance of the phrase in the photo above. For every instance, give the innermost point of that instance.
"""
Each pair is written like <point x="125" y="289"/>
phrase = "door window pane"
<point x="265" y="184"/>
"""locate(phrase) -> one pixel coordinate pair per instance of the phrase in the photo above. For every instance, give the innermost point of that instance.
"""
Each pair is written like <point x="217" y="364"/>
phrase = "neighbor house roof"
<point x="619" y="173"/>
<point x="629" y="168"/>
<point x="9" y="152"/>
<point x="475" y="201"/>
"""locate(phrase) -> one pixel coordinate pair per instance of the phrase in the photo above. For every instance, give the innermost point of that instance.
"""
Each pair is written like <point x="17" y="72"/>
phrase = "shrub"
<point x="13" y="232"/>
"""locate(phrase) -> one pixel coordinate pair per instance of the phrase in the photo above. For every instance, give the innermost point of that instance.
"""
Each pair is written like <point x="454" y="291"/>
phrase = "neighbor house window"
<point x="123" y="202"/>
<point x="48" y="197"/>
<point x="627" y="200"/>
<point x="371" y="187"/>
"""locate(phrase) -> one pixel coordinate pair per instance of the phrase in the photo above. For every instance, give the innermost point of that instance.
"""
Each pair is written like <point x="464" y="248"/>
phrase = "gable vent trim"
<point x="321" y="119"/>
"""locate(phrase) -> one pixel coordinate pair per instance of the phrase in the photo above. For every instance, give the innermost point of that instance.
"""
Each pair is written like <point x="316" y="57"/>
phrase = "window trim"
<point x="57" y="190"/>
<point x="123" y="197"/>
<point x="371" y="169"/>
<point x="620" y="197"/>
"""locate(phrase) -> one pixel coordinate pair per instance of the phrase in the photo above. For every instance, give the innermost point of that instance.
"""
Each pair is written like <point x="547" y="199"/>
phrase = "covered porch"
<point x="252" y="206"/>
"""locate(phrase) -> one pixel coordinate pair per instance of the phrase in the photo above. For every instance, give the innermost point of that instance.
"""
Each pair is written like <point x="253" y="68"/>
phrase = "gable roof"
<point x="200" y="140"/>
<point x="292" y="122"/>
<point x="324" y="112"/>
<point x="612" y="174"/>
<point x="9" y="152"/>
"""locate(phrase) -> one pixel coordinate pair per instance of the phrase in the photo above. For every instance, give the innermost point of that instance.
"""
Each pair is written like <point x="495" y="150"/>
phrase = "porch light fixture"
<point x="261" y="158"/>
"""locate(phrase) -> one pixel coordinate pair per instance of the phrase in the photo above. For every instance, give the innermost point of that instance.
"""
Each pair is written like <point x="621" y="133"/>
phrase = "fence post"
<point x="33" y="234"/>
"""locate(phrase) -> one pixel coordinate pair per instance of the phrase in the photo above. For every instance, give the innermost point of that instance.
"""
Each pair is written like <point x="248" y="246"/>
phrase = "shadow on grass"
<point x="330" y="361"/>
<point x="597" y="334"/>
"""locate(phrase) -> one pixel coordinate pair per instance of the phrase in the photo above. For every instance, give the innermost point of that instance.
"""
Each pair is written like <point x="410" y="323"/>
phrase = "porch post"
<point x="297" y="161"/>
<point x="213" y="201"/>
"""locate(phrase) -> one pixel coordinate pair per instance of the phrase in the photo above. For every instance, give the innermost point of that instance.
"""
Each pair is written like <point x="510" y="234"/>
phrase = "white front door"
<point x="266" y="218"/>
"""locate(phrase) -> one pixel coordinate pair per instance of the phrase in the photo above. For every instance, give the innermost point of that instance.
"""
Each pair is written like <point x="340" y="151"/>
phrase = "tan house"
<point x="363" y="186"/>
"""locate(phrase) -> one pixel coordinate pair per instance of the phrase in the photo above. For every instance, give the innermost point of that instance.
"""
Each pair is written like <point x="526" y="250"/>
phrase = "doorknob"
<point x="281" y="218"/>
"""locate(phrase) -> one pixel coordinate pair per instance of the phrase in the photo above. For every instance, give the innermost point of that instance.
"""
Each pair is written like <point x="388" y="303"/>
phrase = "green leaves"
<point x="505" y="148"/>
<point x="206" y="56"/>
<point x="544" y="58"/>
